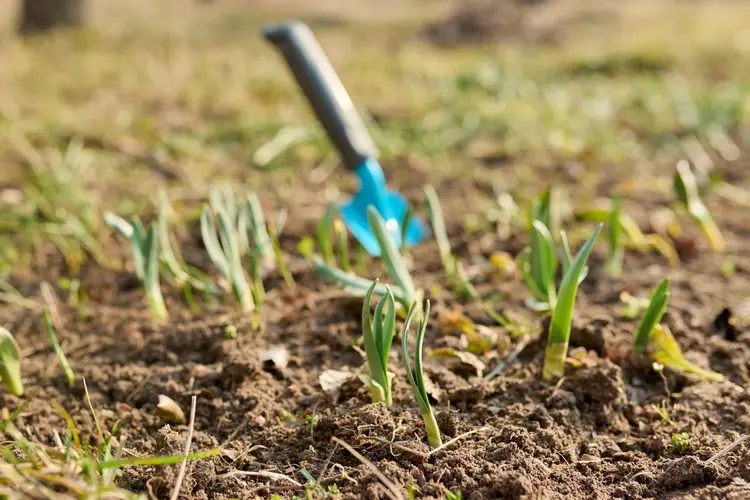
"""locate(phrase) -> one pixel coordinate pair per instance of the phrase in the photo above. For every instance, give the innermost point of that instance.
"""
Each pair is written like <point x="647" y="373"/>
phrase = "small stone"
<point x="169" y="411"/>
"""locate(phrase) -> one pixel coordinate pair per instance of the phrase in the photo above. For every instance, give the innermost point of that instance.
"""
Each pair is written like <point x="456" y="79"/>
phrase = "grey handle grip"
<point x="324" y="91"/>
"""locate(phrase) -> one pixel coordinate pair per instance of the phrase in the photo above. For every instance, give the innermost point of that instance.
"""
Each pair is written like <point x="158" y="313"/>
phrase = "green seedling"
<point x="286" y="274"/>
<point x="652" y="316"/>
<point x="221" y="199"/>
<point x="657" y="342"/>
<point x="415" y="374"/>
<point x="378" y="332"/>
<point x="614" y="238"/>
<point x="685" y="189"/>
<point x="562" y="312"/>
<point x="226" y="256"/>
<point x="249" y="222"/>
<point x="454" y="270"/>
<point x="261" y="240"/>
<point x="10" y="363"/>
<point x="64" y="364"/>
<point x="191" y="278"/>
<point x="145" y="247"/>
<point x="538" y="265"/>
<point x="325" y="231"/>
<point x="634" y="238"/>
<point x="567" y="257"/>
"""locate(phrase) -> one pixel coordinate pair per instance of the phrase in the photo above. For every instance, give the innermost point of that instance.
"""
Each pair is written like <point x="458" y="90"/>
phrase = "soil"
<point x="594" y="434"/>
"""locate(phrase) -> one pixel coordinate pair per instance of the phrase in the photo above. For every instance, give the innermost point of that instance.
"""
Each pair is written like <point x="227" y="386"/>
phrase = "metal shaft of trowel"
<point x="324" y="91"/>
<point x="334" y="109"/>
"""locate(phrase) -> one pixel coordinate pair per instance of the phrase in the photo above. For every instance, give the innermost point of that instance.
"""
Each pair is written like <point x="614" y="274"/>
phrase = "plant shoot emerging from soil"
<point x="652" y="316"/>
<point x="562" y="312"/>
<point x="10" y="363"/>
<point x="226" y="256"/>
<point x="145" y="247"/>
<point x="538" y="264"/>
<point x="378" y="332"/>
<point x="454" y="270"/>
<point x="415" y="374"/>
<point x="657" y="342"/>
<point x="184" y="276"/>
<point x="685" y="188"/>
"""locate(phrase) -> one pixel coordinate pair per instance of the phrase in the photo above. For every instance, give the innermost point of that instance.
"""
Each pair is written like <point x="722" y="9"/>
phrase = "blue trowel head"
<point x="391" y="206"/>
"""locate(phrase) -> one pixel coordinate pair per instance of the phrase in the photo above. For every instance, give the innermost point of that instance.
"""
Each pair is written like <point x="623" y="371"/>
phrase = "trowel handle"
<point x="324" y="91"/>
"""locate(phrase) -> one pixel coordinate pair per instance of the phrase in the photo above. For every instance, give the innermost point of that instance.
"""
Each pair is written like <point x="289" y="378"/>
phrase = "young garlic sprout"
<point x="378" y="332"/>
<point x="685" y="188"/>
<point x="656" y="342"/>
<point x="226" y="255"/>
<point x="145" y="246"/>
<point x="453" y="268"/>
<point x="562" y="312"/>
<point x="415" y="374"/>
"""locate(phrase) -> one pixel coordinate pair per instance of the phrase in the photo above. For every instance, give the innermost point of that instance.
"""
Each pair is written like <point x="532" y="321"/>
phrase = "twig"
<point x="399" y="446"/>
<point x="274" y="476"/>
<point x="188" y="442"/>
<point x="465" y="434"/>
<point x="325" y="465"/>
<point x="390" y="487"/>
<point x="138" y="389"/>
<point x="50" y="299"/>
<point x="431" y="452"/>
<point x="511" y="357"/>
<point x="726" y="449"/>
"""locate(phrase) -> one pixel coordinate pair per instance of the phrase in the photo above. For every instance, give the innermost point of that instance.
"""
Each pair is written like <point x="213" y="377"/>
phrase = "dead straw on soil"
<point x="188" y="442"/>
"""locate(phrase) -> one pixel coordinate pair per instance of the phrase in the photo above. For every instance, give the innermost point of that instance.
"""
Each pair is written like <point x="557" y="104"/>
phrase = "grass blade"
<point x="64" y="364"/>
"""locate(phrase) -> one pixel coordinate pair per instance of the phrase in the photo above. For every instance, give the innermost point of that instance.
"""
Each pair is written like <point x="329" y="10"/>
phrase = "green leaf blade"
<point x="562" y="313"/>
<point x="652" y="315"/>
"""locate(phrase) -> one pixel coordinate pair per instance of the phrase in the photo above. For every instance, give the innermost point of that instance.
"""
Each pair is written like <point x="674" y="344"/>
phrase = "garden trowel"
<point x="334" y="109"/>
